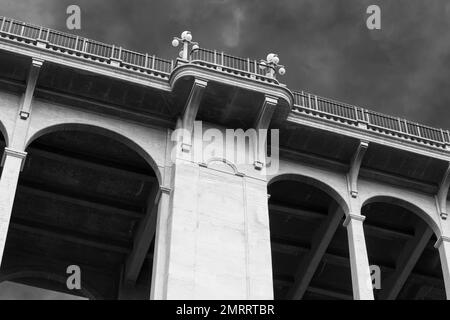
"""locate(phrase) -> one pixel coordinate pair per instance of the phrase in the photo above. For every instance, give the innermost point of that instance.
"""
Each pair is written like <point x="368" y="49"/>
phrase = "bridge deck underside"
<point x="296" y="212"/>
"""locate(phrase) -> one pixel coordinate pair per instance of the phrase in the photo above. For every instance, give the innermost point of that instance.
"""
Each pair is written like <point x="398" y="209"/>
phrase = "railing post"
<point x="11" y="22"/>
<point x="77" y="39"/>
<point x="317" y="103"/>
<point x="215" y="57"/>
<point x="146" y="61"/>
<point x="84" y="45"/>
<point x="22" y="29"/>
<point x="399" y="125"/>
<point x="419" y="133"/>
<point x="39" y="42"/>
<point x="153" y="62"/>
<point x="406" y="126"/>
<point x="3" y="24"/>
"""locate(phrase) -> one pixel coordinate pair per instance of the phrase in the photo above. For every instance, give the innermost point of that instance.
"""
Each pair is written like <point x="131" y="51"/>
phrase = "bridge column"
<point x="219" y="236"/>
<point x="14" y="156"/>
<point x="12" y="163"/>
<point x="443" y="245"/>
<point x="359" y="262"/>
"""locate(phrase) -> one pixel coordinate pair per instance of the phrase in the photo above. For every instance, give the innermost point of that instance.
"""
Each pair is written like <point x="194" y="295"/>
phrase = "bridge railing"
<point x="80" y="46"/>
<point x="326" y="108"/>
<point x="251" y="69"/>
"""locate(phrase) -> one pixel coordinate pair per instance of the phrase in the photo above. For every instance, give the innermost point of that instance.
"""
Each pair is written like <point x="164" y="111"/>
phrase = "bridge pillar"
<point x="12" y="162"/>
<point x="443" y="245"/>
<point x="359" y="262"/>
<point x="219" y="236"/>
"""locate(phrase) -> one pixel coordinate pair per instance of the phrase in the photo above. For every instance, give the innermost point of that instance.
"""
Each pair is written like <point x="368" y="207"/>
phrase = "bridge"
<point x="91" y="176"/>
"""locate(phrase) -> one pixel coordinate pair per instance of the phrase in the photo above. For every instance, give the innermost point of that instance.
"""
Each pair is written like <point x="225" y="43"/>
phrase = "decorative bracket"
<point x="33" y="75"/>
<point x="14" y="153"/>
<point x="355" y="165"/>
<point x="440" y="240"/>
<point x="262" y="123"/>
<point x="190" y="112"/>
<point x="349" y="217"/>
<point x="441" y="197"/>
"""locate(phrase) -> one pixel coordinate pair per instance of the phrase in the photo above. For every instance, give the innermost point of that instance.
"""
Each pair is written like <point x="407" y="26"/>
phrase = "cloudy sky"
<point x="402" y="69"/>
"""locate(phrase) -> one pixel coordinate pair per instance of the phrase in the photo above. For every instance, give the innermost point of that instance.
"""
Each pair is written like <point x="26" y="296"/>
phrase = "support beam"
<point x="378" y="231"/>
<point x="143" y="237"/>
<point x="190" y="113"/>
<point x="406" y="262"/>
<point x="262" y="125"/>
<point x="64" y="235"/>
<point x="341" y="261"/>
<point x="279" y="281"/>
<point x="33" y="76"/>
<point x="79" y="160"/>
<point x="359" y="262"/>
<point x="355" y="165"/>
<point x="443" y="244"/>
<point x="330" y="293"/>
<point x="12" y="163"/>
<point x="54" y="195"/>
<point x="320" y="242"/>
<point x="441" y="197"/>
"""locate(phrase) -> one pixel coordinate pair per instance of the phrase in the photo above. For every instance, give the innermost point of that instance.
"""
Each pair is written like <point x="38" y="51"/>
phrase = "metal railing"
<point x="252" y="69"/>
<point x="86" y="48"/>
<point x="356" y="116"/>
<point x="226" y="63"/>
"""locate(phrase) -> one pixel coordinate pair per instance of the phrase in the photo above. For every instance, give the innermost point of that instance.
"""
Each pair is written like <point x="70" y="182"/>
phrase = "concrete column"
<point x="359" y="262"/>
<point x="12" y="163"/>
<point x="443" y="244"/>
<point x="161" y="248"/>
<point x="218" y="235"/>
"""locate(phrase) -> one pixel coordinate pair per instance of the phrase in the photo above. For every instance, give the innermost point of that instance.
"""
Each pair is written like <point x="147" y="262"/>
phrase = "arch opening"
<point x="400" y="240"/>
<point x="309" y="242"/>
<point x="81" y="199"/>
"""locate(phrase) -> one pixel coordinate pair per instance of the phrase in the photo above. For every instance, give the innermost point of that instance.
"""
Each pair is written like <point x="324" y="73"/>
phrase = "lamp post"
<point x="186" y="40"/>
<point x="272" y="64"/>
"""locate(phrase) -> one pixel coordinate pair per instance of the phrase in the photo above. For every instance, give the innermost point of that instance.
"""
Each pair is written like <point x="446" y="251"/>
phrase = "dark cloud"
<point x="400" y="70"/>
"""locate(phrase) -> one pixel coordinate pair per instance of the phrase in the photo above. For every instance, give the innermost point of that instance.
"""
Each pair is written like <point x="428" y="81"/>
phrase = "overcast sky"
<point x="402" y="69"/>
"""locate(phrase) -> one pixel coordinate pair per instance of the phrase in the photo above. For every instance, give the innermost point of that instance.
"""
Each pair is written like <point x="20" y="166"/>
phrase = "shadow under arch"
<point x="408" y="206"/>
<point x="12" y="275"/>
<point x="4" y="133"/>
<point x="104" y="132"/>
<point x="315" y="183"/>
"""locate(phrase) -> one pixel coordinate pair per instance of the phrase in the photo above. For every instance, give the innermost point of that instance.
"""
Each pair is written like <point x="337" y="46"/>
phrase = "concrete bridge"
<point x="91" y="176"/>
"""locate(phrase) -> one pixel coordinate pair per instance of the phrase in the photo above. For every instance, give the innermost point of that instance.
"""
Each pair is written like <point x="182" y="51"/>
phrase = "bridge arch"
<point x="400" y="233"/>
<point x="408" y="205"/>
<point x="113" y="133"/>
<point x="315" y="182"/>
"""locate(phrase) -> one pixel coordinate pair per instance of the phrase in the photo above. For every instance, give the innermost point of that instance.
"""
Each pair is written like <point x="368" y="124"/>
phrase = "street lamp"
<point x="272" y="64"/>
<point x="186" y="40"/>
